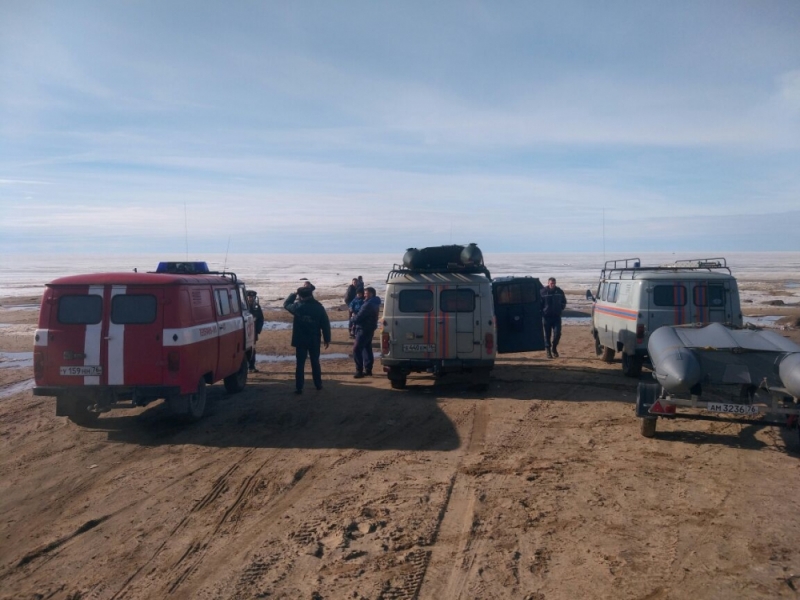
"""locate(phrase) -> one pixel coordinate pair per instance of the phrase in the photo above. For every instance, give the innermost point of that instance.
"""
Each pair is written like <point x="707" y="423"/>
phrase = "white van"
<point x="439" y="315"/>
<point x="632" y="301"/>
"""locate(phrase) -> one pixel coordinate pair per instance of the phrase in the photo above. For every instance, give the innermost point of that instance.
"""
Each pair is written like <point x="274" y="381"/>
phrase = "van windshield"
<point x="80" y="310"/>
<point x="129" y="309"/>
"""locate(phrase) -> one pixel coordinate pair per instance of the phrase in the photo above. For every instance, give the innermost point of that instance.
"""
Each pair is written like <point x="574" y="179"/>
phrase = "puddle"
<point x="272" y="358"/>
<point x="281" y="326"/>
<point x="18" y="307"/>
<point x="16" y="360"/>
<point x="16" y="388"/>
<point x="763" y="321"/>
<point x="576" y="320"/>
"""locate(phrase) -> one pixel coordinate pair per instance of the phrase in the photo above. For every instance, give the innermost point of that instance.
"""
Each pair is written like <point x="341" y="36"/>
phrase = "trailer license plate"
<point x="737" y="409"/>
<point x="82" y="371"/>
<point x="419" y="347"/>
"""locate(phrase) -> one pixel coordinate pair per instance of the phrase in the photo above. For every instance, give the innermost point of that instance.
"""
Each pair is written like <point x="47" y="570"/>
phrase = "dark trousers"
<point x="312" y="352"/>
<point x="362" y="350"/>
<point x="552" y="328"/>
<point x="251" y="362"/>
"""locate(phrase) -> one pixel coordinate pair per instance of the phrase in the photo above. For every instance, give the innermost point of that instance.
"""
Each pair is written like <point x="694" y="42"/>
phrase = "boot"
<point x="555" y="352"/>
<point x="549" y="354"/>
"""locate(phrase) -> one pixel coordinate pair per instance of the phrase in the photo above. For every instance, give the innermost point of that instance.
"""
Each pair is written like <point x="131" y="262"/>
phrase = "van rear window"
<point x="669" y="295"/>
<point x="457" y="301"/>
<point x="416" y="301"/>
<point x="80" y="310"/>
<point x="712" y="295"/>
<point x="517" y="293"/>
<point x="130" y="309"/>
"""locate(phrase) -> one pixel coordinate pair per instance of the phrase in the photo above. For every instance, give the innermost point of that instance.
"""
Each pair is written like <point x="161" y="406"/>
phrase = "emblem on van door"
<point x="419" y="347"/>
<point x="70" y="355"/>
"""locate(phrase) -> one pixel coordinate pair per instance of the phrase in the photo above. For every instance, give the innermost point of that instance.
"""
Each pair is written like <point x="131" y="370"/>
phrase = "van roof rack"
<point x="190" y="268"/>
<point x="630" y="266"/>
<point x="399" y="270"/>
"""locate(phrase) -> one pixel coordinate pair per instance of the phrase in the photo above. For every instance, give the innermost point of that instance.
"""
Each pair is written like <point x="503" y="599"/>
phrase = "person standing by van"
<point x="353" y="308"/>
<point x="553" y="304"/>
<point x="310" y="327"/>
<point x="366" y="322"/>
<point x="258" y="316"/>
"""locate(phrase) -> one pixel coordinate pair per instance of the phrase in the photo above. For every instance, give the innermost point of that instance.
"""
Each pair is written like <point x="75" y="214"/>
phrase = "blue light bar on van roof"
<point x="184" y="268"/>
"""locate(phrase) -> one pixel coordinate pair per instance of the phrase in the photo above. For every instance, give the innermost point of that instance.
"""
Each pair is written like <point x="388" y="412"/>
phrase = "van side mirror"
<point x="589" y="295"/>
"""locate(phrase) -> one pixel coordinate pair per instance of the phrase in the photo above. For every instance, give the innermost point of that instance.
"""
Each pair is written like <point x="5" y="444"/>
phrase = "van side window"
<point x="80" y="310"/>
<point x="517" y="293"/>
<point x="613" y="291"/>
<point x="129" y="309"/>
<point x="234" y="296"/>
<point x="669" y="295"/>
<point x="416" y="301"/>
<point x="457" y="300"/>
<point x="603" y="290"/>
<point x="223" y="302"/>
<point x="712" y="295"/>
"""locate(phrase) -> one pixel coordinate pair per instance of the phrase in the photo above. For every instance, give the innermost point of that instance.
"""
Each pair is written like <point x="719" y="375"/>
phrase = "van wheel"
<point x="197" y="402"/>
<point x="235" y="383"/>
<point x="81" y="415"/>
<point x="608" y="355"/>
<point x="398" y="384"/>
<point x="632" y="365"/>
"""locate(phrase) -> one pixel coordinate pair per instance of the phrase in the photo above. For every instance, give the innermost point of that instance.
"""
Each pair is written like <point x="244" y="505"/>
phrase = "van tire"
<point x="196" y="403"/>
<point x="81" y="415"/>
<point x="632" y="365"/>
<point x="608" y="355"/>
<point x="235" y="383"/>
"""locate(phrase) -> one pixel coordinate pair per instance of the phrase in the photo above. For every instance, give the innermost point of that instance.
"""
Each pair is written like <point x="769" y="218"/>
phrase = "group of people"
<point x="311" y="327"/>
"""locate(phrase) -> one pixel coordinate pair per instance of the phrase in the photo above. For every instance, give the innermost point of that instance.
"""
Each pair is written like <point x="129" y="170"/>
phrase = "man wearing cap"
<point x="310" y="327"/>
<point x="553" y="304"/>
<point x="366" y="322"/>
<point x="255" y="309"/>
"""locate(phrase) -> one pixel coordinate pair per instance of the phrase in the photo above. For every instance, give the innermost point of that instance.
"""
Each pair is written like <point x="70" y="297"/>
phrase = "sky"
<point x="337" y="127"/>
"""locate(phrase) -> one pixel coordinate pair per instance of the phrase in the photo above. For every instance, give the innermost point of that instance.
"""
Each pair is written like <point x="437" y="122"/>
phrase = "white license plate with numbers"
<point x="82" y="371"/>
<point x="736" y="409"/>
<point x="419" y="347"/>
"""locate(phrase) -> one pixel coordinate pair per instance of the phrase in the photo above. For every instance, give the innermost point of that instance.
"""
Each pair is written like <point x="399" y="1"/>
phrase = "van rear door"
<point x="133" y="327"/>
<point x="74" y="336"/>
<point x="518" y="314"/>
<point x="414" y="324"/>
<point x="460" y="332"/>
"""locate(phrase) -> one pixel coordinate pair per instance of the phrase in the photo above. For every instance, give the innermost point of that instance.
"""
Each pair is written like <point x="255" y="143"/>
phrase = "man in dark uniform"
<point x="258" y="315"/>
<point x="309" y="327"/>
<point x="366" y="322"/>
<point x="553" y="303"/>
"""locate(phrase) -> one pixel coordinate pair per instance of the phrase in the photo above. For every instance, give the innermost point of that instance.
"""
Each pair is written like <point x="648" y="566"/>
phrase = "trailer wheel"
<point x="608" y="355"/>
<point x="235" y="383"/>
<point x="80" y="414"/>
<point x="197" y="402"/>
<point x="632" y="365"/>
<point x="649" y="427"/>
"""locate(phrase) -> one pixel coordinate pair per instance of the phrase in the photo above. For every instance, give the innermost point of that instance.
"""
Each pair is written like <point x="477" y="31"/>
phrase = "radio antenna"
<point x="604" y="234"/>
<point x="186" y="229"/>
<point x="225" y="264"/>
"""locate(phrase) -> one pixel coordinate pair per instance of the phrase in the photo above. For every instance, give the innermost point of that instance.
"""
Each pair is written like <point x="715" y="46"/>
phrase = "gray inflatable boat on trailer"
<point x="763" y="367"/>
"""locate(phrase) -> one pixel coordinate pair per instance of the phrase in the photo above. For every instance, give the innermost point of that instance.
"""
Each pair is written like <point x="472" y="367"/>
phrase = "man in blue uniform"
<point x="310" y="327"/>
<point x="553" y="303"/>
<point x="366" y="322"/>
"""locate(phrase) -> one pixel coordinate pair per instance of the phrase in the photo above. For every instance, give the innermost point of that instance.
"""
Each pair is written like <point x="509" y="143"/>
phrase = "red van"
<point x="111" y="340"/>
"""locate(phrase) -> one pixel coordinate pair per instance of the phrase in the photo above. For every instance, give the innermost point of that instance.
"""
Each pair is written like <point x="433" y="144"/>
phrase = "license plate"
<point x="419" y="347"/>
<point x="737" y="409"/>
<point x="83" y="371"/>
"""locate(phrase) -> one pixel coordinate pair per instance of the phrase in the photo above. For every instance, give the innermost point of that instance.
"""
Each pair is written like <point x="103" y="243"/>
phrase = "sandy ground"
<point x="541" y="488"/>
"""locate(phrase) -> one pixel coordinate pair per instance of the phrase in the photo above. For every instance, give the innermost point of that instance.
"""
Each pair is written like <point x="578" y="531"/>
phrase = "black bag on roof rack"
<point x="455" y="257"/>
